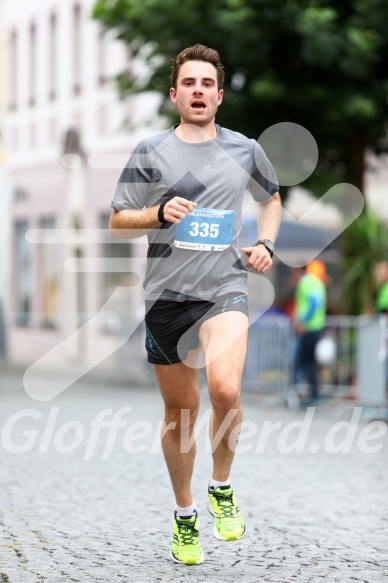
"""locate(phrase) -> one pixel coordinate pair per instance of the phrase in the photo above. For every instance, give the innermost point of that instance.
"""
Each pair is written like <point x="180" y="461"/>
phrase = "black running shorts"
<point x="172" y="327"/>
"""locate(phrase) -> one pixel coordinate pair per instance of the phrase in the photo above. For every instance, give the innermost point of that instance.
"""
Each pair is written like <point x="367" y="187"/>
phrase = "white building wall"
<point x="67" y="109"/>
<point x="5" y="190"/>
<point x="34" y="164"/>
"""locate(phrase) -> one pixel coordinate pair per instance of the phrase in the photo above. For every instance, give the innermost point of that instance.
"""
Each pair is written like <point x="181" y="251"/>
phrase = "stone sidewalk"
<point x="84" y="504"/>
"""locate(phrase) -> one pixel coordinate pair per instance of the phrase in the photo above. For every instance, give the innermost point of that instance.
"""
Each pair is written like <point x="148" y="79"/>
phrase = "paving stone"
<point x="102" y="511"/>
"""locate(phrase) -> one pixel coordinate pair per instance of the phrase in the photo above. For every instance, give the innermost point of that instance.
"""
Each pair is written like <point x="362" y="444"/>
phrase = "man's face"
<point x="381" y="272"/>
<point x="197" y="96"/>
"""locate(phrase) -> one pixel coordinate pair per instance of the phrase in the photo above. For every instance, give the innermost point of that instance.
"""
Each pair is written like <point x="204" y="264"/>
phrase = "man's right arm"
<point x="133" y="223"/>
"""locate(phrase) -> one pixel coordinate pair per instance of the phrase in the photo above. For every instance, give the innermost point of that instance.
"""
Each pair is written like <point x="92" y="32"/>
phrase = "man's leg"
<point x="297" y="373"/>
<point x="224" y="341"/>
<point x="312" y="365"/>
<point x="179" y="386"/>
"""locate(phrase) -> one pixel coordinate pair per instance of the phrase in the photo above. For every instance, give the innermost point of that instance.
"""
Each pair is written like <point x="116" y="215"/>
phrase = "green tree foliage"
<point x="319" y="63"/>
<point x="365" y="245"/>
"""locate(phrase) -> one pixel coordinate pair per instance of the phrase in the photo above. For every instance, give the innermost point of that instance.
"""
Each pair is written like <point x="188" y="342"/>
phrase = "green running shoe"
<point x="185" y="547"/>
<point x="222" y="505"/>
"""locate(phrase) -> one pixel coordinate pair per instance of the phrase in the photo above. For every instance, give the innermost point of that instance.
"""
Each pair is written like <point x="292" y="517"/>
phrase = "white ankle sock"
<point x="213" y="484"/>
<point x="189" y="511"/>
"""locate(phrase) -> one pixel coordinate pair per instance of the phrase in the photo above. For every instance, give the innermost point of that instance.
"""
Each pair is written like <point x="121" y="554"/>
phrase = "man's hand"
<point x="176" y="209"/>
<point x="259" y="257"/>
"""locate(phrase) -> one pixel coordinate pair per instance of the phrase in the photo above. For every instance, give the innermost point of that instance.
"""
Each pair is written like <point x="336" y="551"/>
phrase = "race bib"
<point x="205" y="230"/>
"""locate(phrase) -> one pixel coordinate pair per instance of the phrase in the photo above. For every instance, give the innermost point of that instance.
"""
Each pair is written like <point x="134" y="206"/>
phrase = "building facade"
<point x="67" y="291"/>
<point x="68" y="136"/>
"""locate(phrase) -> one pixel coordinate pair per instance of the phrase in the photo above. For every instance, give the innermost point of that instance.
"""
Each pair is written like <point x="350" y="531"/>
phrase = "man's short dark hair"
<point x="198" y="53"/>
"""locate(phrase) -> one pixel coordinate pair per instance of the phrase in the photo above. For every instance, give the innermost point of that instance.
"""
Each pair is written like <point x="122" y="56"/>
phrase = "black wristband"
<point x="161" y="218"/>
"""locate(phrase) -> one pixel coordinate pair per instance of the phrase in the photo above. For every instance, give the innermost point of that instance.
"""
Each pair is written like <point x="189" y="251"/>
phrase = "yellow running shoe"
<point x="222" y="505"/>
<point x="185" y="547"/>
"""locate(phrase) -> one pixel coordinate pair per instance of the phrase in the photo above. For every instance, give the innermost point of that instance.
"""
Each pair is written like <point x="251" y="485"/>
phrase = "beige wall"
<point x="42" y="185"/>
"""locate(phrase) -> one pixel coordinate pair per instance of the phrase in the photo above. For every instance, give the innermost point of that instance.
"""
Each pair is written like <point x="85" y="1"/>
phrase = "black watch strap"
<point x="267" y="244"/>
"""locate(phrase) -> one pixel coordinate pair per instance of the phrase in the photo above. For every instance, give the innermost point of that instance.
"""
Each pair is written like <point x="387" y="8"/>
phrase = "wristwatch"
<point x="267" y="244"/>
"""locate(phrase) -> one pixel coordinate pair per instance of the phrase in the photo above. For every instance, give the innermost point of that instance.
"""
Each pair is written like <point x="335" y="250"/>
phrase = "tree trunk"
<point x="355" y="177"/>
<point x="356" y="165"/>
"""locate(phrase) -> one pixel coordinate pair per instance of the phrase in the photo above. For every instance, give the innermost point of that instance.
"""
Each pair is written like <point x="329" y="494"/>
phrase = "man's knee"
<point x="225" y="394"/>
<point x="181" y="419"/>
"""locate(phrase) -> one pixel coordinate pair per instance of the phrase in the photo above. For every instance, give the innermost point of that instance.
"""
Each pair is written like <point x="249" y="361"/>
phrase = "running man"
<point x="185" y="188"/>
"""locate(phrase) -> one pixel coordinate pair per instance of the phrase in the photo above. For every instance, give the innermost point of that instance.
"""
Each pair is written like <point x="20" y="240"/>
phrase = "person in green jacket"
<point x="381" y="304"/>
<point x="309" y="321"/>
<point x="381" y="274"/>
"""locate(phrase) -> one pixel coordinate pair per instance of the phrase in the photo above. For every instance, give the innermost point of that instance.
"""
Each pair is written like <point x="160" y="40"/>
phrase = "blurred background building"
<point x="64" y="136"/>
<point x="59" y="108"/>
<point x="4" y="188"/>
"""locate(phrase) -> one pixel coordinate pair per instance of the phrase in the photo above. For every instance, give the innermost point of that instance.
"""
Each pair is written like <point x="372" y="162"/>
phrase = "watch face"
<point x="268" y="244"/>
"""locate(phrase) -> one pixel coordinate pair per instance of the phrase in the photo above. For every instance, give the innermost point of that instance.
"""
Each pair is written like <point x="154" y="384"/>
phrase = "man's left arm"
<point x="269" y="219"/>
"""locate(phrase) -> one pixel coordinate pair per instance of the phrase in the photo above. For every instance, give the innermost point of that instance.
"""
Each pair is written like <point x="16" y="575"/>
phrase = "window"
<point x="22" y="275"/>
<point x="32" y="57"/>
<point x="115" y="250"/>
<point x="77" y="49"/>
<point x="49" y="278"/>
<point x="53" y="57"/>
<point x="101" y="57"/>
<point x="121" y="313"/>
<point x="13" y="69"/>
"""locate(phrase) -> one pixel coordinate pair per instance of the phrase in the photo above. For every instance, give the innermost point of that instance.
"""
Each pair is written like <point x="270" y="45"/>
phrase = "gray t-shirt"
<point x="200" y="258"/>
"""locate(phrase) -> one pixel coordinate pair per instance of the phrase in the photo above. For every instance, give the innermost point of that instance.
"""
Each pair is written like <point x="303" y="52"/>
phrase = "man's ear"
<point x="173" y="94"/>
<point x="220" y="96"/>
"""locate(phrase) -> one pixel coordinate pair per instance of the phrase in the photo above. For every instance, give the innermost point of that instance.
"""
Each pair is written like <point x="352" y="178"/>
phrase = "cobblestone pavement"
<point x="313" y="516"/>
